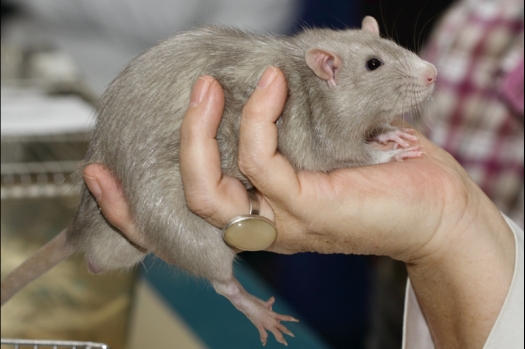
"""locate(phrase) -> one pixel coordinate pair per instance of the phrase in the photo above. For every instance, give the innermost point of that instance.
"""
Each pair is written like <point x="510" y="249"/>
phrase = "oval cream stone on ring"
<point x="250" y="233"/>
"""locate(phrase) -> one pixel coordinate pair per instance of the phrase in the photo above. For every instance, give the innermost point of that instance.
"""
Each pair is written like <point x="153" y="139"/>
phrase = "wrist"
<point x="462" y="284"/>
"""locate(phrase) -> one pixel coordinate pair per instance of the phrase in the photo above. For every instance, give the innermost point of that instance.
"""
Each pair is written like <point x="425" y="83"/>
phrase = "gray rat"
<point x="345" y="88"/>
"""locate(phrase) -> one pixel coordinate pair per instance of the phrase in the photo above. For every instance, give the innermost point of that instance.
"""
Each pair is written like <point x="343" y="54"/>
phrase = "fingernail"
<point x="268" y="76"/>
<point x="200" y="89"/>
<point x="93" y="186"/>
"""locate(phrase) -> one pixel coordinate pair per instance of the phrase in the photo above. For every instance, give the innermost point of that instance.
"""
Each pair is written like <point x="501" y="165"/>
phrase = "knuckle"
<point x="254" y="111"/>
<point x="201" y="205"/>
<point x="189" y="132"/>
<point x="249" y="165"/>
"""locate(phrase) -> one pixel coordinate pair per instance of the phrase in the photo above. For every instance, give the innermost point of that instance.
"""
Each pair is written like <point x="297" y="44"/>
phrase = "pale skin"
<point x="426" y="211"/>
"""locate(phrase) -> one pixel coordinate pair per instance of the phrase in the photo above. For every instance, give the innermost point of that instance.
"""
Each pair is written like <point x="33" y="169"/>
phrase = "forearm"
<point x="462" y="286"/>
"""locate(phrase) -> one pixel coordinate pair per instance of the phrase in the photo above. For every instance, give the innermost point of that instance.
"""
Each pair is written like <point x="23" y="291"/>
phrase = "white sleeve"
<point x="507" y="331"/>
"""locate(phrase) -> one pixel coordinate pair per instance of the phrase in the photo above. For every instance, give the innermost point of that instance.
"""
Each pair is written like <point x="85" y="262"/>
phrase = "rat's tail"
<point x="49" y="255"/>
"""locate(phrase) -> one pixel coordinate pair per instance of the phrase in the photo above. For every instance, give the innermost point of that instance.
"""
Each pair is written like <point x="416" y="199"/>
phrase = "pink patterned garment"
<point x="512" y="87"/>
<point x="477" y="110"/>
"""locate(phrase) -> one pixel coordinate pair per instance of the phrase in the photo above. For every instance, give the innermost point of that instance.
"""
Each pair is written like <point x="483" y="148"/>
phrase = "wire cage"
<point x="43" y="169"/>
<point x="49" y="344"/>
<point x="41" y="165"/>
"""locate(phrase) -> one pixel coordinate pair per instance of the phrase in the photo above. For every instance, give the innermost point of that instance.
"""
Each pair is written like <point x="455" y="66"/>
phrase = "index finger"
<point x="210" y="194"/>
<point x="259" y="159"/>
<point x="199" y="152"/>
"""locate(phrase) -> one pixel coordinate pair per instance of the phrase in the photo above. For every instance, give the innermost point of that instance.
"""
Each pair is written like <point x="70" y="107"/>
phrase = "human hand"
<point x="426" y="212"/>
<point x="328" y="213"/>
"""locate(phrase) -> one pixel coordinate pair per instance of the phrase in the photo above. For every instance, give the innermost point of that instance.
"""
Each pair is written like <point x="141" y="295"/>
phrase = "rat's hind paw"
<point x="266" y="319"/>
<point x="259" y="312"/>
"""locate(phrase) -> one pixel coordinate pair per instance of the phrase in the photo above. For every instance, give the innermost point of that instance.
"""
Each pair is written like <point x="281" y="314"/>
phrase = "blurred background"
<point x="59" y="55"/>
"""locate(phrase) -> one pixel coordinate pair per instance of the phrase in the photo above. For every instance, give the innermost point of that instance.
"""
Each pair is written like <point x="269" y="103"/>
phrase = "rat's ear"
<point x="324" y="64"/>
<point x="369" y="24"/>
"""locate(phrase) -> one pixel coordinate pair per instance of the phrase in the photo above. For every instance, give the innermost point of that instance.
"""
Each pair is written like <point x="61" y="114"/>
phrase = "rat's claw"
<point x="283" y="329"/>
<point x="278" y="336"/>
<point x="263" y="334"/>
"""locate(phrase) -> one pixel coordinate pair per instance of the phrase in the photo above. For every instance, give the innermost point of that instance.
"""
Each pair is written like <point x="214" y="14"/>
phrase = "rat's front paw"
<point x="383" y="151"/>
<point x="381" y="155"/>
<point x="398" y="136"/>
<point x="407" y="153"/>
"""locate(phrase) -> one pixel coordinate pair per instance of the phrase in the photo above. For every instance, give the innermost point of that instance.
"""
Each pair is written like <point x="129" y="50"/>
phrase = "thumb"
<point x="110" y="198"/>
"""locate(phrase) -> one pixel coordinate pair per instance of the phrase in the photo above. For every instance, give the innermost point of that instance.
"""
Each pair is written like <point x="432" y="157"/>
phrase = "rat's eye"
<point x="373" y="64"/>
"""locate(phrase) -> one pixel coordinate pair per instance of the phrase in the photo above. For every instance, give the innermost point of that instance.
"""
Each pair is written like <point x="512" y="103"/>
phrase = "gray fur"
<point x="322" y="128"/>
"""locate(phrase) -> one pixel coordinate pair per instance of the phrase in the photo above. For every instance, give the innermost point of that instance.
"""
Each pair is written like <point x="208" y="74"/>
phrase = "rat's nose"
<point x="429" y="75"/>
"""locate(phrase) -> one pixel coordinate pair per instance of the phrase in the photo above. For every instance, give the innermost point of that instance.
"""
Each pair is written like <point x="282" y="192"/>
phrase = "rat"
<point x="344" y="89"/>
